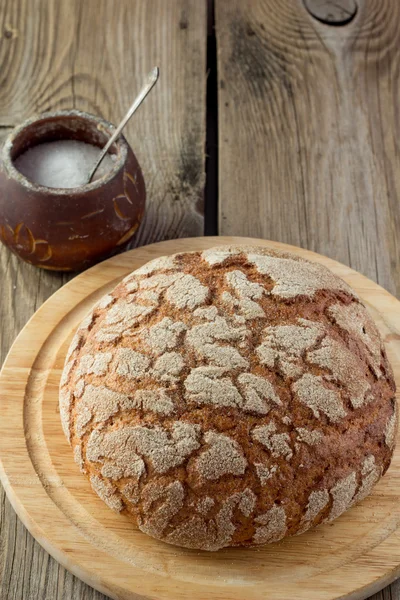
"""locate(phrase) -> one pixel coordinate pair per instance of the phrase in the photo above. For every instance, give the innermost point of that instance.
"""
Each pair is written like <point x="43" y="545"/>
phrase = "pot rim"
<point x="13" y="172"/>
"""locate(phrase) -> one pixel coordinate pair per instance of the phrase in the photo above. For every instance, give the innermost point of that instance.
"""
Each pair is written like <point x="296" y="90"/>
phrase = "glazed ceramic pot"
<point x="68" y="229"/>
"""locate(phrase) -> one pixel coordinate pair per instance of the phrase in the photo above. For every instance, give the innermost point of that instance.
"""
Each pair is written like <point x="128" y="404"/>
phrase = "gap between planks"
<point x="211" y="167"/>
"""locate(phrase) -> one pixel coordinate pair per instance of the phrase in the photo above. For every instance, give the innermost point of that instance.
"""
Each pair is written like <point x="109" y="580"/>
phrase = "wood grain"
<point x="346" y="559"/>
<point x="309" y="129"/>
<point x="26" y="570"/>
<point x="93" y="55"/>
<point x="336" y="12"/>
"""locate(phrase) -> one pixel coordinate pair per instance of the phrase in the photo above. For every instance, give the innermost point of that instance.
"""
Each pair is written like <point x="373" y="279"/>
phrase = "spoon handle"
<point x="150" y="82"/>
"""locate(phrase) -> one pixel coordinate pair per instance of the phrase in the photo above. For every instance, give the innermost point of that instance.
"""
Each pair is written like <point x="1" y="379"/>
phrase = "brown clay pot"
<point x="69" y="229"/>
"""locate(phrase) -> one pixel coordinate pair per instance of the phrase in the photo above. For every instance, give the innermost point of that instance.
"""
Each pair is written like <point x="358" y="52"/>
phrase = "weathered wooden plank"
<point x="94" y="55"/>
<point x="308" y="133"/>
<point x="391" y="592"/>
<point x="308" y="130"/>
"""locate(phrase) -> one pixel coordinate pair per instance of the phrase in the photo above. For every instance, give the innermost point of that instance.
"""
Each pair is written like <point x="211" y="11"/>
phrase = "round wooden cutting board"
<point x="350" y="558"/>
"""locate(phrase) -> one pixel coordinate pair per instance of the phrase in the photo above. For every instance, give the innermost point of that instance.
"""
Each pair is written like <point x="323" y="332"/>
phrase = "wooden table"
<point x="267" y="122"/>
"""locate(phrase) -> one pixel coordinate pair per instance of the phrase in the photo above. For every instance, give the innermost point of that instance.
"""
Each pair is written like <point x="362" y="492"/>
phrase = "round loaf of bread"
<point x="230" y="397"/>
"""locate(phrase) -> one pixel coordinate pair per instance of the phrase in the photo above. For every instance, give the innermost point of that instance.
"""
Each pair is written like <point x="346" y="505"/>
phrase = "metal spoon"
<point x="150" y="82"/>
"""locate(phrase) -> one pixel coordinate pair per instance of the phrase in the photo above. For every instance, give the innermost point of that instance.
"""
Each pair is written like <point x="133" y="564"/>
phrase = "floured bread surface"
<point x="230" y="397"/>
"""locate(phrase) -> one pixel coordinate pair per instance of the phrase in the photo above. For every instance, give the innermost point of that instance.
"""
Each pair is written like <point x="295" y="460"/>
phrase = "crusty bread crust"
<point x="230" y="397"/>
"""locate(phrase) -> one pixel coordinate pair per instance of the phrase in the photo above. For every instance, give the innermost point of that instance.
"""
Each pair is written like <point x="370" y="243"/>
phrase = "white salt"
<point x="62" y="164"/>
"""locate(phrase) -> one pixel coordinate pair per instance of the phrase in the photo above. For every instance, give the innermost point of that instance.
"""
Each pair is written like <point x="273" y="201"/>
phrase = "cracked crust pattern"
<point x="230" y="397"/>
